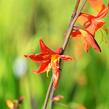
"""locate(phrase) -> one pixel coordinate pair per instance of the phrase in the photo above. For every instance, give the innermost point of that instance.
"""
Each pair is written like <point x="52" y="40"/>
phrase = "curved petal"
<point x="103" y="12"/>
<point x="44" y="48"/>
<point x="56" y="72"/>
<point x="42" y="68"/>
<point x="88" y="40"/>
<point x="99" y="25"/>
<point x="59" y="50"/>
<point x="93" y="42"/>
<point x="66" y="58"/>
<point x="39" y="58"/>
<point x="55" y="79"/>
<point x="85" y="43"/>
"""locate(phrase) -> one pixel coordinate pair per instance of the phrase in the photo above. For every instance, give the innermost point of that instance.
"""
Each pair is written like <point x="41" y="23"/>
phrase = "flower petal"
<point x="43" y="67"/>
<point x="89" y="40"/>
<point x="85" y="43"/>
<point x="103" y="12"/>
<point x="93" y="42"/>
<point x="66" y="58"/>
<point x="39" y="58"/>
<point x="55" y="79"/>
<point x="44" y="48"/>
<point x="59" y="50"/>
<point x="56" y="72"/>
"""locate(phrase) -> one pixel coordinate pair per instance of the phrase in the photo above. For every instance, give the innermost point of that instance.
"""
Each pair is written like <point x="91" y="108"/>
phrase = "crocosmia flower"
<point x="48" y="59"/>
<point x="87" y="39"/>
<point x="91" y="25"/>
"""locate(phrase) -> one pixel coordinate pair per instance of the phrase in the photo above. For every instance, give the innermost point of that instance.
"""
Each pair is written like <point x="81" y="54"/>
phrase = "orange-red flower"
<point x="87" y="39"/>
<point x="91" y="25"/>
<point x="48" y="59"/>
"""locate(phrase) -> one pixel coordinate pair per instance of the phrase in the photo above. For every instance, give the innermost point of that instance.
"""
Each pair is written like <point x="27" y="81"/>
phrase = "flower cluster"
<point x="91" y="24"/>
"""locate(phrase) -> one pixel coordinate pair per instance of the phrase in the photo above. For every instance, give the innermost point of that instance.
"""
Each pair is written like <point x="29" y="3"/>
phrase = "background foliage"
<point x="83" y="82"/>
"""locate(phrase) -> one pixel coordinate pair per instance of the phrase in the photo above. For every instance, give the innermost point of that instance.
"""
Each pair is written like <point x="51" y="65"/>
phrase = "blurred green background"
<point x="84" y="82"/>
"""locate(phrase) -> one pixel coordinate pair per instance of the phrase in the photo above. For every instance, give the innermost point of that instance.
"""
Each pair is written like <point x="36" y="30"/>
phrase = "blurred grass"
<point x="22" y="24"/>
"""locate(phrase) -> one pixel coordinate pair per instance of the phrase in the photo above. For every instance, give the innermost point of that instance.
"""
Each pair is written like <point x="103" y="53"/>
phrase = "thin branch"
<point x="75" y="16"/>
<point x="76" y="8"/>
<point x="51" y="98"/>
<point x="48" y="94"/>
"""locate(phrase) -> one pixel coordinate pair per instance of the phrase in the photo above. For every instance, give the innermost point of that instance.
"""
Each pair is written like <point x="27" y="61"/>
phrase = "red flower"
<point x="48" y="59"/>
<point x="87" y="39"/>
<point x="91" y="24"/>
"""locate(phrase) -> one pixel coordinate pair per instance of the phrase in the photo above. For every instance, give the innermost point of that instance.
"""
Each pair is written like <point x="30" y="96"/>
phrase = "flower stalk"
<point x="74" y="17"/>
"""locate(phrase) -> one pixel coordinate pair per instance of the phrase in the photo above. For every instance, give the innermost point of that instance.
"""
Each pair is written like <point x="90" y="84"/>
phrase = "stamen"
<point x="48" y="69"/>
